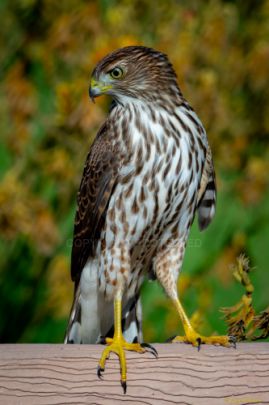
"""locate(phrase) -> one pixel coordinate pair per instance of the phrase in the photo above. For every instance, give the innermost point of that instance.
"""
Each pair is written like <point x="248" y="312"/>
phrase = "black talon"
<point x="100" y="370"/>
<point x="199" y="341"/>
<point x="169" y="340"/>
<point x="232" y="340"/>
<point x="152" y="349"/>
<point x="124" y="386"/>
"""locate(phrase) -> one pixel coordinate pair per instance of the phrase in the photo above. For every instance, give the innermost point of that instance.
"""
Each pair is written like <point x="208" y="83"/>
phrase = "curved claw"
<point x="124" y="386"/>
<point x="232" y="340"/>
<point x="100" y="370"/>
<point x="169" y="340"/>
<point x="199" y="342"/>
<point x="152" y="349"/>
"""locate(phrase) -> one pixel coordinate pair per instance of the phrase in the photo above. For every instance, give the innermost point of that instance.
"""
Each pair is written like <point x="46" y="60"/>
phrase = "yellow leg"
<point x="118" y="344"/>
<point x="195" y="338"/>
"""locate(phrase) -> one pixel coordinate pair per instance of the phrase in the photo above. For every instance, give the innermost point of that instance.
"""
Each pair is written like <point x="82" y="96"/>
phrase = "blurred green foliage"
<point x="220" y="51"/>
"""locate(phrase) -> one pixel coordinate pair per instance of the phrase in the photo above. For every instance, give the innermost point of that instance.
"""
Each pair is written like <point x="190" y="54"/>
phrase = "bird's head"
<point x="134" y="72"/>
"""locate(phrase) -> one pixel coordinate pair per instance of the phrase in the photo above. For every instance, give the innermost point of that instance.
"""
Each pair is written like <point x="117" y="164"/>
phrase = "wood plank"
<point x="66" y="374"/>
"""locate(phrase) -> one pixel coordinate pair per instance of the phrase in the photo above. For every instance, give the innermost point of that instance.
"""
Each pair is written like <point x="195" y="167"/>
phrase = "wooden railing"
<point x="66" y="374"/>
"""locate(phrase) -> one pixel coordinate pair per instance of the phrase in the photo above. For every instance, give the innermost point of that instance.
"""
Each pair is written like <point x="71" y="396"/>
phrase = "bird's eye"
<point x="116" y="73"/>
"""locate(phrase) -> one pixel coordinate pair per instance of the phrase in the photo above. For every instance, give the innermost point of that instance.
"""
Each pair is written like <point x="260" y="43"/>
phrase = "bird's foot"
<point x="118" y="345"/>
<point x="194" y="338"/>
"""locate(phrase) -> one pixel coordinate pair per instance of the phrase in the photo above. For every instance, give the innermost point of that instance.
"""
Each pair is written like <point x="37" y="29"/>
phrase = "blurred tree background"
<point x="220" y="50"/>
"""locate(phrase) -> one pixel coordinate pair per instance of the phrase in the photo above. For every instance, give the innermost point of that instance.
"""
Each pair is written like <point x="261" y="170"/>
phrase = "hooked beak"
<point x="98" y="88"/>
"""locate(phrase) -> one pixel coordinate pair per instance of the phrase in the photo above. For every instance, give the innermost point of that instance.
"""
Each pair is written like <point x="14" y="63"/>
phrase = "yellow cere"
<point x="99" y="85"/>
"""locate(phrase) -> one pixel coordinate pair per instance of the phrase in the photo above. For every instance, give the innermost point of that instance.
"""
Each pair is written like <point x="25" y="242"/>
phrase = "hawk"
<point x="148" y="171"/>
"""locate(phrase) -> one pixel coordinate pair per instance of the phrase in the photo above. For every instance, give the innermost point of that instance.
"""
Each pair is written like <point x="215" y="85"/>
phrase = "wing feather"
<point x="99" y="178"/>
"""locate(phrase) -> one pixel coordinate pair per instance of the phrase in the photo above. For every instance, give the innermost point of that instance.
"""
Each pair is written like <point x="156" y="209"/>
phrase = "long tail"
<point x="91" y="316"/>
<point x="73" y="331"/>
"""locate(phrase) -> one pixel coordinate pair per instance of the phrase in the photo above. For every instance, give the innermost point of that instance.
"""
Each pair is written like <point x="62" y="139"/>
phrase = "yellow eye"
<point x="116" y="73"/>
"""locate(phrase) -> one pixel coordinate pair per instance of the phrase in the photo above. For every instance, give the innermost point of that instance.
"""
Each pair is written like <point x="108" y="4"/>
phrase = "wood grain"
<point x="66" y="374"/>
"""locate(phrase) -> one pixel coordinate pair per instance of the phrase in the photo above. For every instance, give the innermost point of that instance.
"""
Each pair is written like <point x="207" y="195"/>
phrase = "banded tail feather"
<point x="207" y="194"/>
<point x="207" y="205"/>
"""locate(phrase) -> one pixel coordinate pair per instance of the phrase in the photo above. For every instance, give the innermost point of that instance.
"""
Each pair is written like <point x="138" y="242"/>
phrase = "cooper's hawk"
<point x="147" y="173"/>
